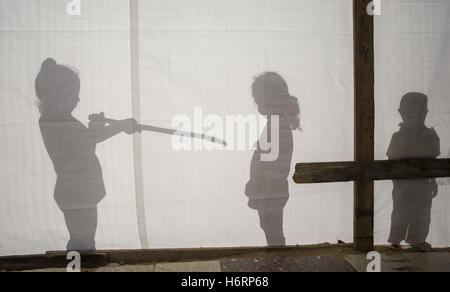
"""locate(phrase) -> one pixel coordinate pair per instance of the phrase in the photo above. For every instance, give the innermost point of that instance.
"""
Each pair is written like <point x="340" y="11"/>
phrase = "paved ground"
<point x="390" y="262"/>
<point x="408" y="262"/>
<point x="286" y="264"/>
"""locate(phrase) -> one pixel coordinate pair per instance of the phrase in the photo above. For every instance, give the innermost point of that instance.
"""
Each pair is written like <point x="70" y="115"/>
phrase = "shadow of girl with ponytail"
<point x="71" y="147"/>
<point x="268" y="189"/>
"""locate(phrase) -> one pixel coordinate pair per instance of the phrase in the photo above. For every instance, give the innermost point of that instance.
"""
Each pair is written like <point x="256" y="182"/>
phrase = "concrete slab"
<point x="125" y="269"/>
<point x="286" y="264"/>
<point x="405" y="262"/>
<point x="190" y="267"/>
<point x="58" y="270"/>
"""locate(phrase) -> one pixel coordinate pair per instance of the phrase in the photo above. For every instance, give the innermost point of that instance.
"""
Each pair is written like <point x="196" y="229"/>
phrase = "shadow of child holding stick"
<point x="412" y="198"/>
<point x="268" y="189"/>
<point x="71" y="147"/>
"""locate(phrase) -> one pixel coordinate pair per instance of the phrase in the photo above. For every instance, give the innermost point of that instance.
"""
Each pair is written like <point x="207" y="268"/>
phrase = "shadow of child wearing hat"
<point x="412" y="198"/>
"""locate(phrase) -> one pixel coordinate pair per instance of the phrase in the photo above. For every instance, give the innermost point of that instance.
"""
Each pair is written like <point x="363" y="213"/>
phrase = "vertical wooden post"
<point x="364" y="122"/>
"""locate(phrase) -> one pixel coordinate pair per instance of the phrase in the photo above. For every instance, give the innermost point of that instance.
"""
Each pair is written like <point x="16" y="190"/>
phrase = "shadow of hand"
<point x="130" y="126"/>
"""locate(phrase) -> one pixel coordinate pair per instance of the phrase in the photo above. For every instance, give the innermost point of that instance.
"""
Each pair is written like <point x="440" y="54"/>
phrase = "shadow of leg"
<point x="82" y="226"/>
<point x="271" y="221"/>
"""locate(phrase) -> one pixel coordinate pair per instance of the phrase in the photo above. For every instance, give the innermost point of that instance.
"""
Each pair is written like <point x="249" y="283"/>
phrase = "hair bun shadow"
<point x="48" y="65"/>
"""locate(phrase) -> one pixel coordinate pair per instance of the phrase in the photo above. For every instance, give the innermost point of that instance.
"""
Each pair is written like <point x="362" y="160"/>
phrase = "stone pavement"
<point x="398" y="262"/>
<point x="286" y="264"/>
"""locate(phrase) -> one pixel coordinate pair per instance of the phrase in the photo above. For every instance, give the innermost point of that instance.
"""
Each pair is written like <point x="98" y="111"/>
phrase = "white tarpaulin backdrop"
<point x="206" y="54"/>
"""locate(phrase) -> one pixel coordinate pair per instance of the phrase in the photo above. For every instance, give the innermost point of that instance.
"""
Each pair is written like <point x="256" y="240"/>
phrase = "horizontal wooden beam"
<point x="371" y="170"/>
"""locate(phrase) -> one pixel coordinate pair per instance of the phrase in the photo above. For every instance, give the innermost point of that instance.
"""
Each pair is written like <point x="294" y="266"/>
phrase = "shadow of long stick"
<point x="182" y="133"/>
<point x="193" y="135"/>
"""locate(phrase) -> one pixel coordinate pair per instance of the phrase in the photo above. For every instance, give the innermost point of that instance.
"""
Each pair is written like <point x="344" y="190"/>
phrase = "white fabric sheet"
<point x="205" y="55"/>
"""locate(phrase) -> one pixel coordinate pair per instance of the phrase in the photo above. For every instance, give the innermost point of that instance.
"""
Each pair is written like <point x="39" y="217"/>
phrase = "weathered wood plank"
<point x="50" y="261"/>
<point x="371" y="171"/>
<point x="364" y="116"/>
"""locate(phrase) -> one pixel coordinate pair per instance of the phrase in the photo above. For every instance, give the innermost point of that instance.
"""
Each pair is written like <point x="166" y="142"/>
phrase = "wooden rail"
<point x="371" y="171"/>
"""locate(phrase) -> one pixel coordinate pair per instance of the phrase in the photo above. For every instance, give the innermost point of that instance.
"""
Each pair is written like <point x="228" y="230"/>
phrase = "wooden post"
<point x="364" y="122"/>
